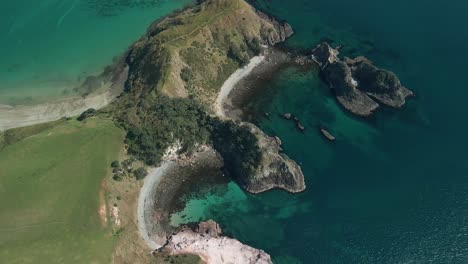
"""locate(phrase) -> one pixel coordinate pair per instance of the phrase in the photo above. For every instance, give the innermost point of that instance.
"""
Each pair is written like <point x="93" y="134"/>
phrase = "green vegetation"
<point x="184" y="121"/>
<point x="177" y="259"/>
<point x="115" y="164"/>
<point x="175" y="75"/>
<point x="238" y="146"/>
<point x="193" y="52"/>
<point x="161" y="125"/>
<point x="140" y="173"/>
<point x="14" y="135"/>
<point x="49" y="196"/>
<point x="87" y="114"/>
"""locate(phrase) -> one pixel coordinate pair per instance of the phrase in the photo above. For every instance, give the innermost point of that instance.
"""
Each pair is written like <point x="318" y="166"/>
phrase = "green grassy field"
<point x="49" y="194"/>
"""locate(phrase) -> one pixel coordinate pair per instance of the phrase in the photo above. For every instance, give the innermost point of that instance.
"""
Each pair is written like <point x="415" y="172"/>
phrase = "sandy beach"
<point x="146" y="202"/>
<point x="26" y="115"/>
<point x="231" y="82"/>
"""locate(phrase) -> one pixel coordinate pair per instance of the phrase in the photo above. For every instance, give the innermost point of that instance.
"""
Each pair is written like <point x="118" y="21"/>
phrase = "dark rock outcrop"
<point x="358" y="84"/>
<point x="276" y="170"/>
<point x="272" y="37"/>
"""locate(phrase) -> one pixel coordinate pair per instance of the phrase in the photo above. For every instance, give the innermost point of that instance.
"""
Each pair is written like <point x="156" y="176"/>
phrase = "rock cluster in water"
<point x="207" y="242"/>
<point x="359" y="85"/>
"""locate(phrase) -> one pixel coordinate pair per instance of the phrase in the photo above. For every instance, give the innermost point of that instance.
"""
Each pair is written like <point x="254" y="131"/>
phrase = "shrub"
<point x="186" y="74"/>
<point x="168" y="120"/>
<point x="87" y="114"/>
<point x="140" y="173"/>
<point x="115" y="164"/>
<point x="238" y="146"/>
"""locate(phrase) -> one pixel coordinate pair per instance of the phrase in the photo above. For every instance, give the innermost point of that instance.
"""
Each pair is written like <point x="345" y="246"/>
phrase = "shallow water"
<point x="392" y="189"/>
<point x="48" y="47"/>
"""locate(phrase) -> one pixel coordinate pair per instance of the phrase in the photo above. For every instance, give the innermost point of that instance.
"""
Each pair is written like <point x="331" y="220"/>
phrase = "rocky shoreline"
<point x="237" y="103"/>
<point x="206" y="240"/>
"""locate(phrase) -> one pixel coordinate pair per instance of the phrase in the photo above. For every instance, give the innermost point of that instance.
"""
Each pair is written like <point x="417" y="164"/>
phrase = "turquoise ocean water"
<point x="48" y="47"/>
<point x="392" y="189"/>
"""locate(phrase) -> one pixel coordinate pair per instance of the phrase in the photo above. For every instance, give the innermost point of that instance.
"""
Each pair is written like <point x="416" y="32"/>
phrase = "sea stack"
<point x="359" y="85"/>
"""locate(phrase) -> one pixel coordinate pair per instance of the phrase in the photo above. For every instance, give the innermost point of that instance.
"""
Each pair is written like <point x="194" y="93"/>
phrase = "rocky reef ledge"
<point x="359" y="85"/>
<point x="206" y="241"/>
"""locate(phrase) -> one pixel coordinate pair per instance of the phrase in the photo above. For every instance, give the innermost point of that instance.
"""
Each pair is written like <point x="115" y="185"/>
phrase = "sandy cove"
<point x="146" y="202"/>
<point x="153" y="213"/>
<point x="231" y="82"/>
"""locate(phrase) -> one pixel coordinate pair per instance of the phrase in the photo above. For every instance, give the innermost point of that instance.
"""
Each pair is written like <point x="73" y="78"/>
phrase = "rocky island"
<point x="359" y="85"/>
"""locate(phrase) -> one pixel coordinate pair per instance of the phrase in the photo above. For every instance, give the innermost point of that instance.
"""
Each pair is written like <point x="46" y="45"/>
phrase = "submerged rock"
<point x="287" y="116"/>
<point x="327" y="134"/>
<point x="358" y="84"/>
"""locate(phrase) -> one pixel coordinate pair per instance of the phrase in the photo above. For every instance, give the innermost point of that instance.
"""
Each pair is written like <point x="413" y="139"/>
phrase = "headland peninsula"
<point x="171" y="95"/>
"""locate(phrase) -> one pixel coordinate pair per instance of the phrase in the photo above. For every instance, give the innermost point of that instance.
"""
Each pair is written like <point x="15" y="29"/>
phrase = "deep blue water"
<point x="392" y="189"/>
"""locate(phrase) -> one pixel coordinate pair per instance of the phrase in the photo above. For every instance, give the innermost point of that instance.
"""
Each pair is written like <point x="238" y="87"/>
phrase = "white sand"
<point x="231" y="82"/>
<point x="146" y="202"/>
<point x="19" y="116"/>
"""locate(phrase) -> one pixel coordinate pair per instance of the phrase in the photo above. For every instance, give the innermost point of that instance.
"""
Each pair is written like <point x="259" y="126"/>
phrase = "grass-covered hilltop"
<point x="192" y="53"/>
<point x="175" y="74"/>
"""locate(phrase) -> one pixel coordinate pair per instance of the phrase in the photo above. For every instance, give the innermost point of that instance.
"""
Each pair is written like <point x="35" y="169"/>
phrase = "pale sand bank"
<point x="146" y="203"/>
<point x="20" y="116"/>
<point x="231" y="82"/>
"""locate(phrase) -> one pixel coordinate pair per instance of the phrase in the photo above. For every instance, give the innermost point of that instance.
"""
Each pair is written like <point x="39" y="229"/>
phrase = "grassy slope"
<point x="49" y="194"/>
<point x="197" y="40"/>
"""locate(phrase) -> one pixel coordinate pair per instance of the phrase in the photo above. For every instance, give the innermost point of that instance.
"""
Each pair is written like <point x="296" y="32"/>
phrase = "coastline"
<point x="165" y="186"/>
<point x="237" y="104"/>
<point x="26" y="115"/>
<point x="232" y="81"/>
<point x="161" y="195"/>
<point x="146" y="201"/>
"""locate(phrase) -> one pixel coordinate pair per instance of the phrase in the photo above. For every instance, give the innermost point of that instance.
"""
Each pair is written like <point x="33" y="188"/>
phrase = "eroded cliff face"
<point x="193" y="52"/>
<point x="358" y="84"/>
<point x="275" y="169"/>
<point x="207" y="242"/>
